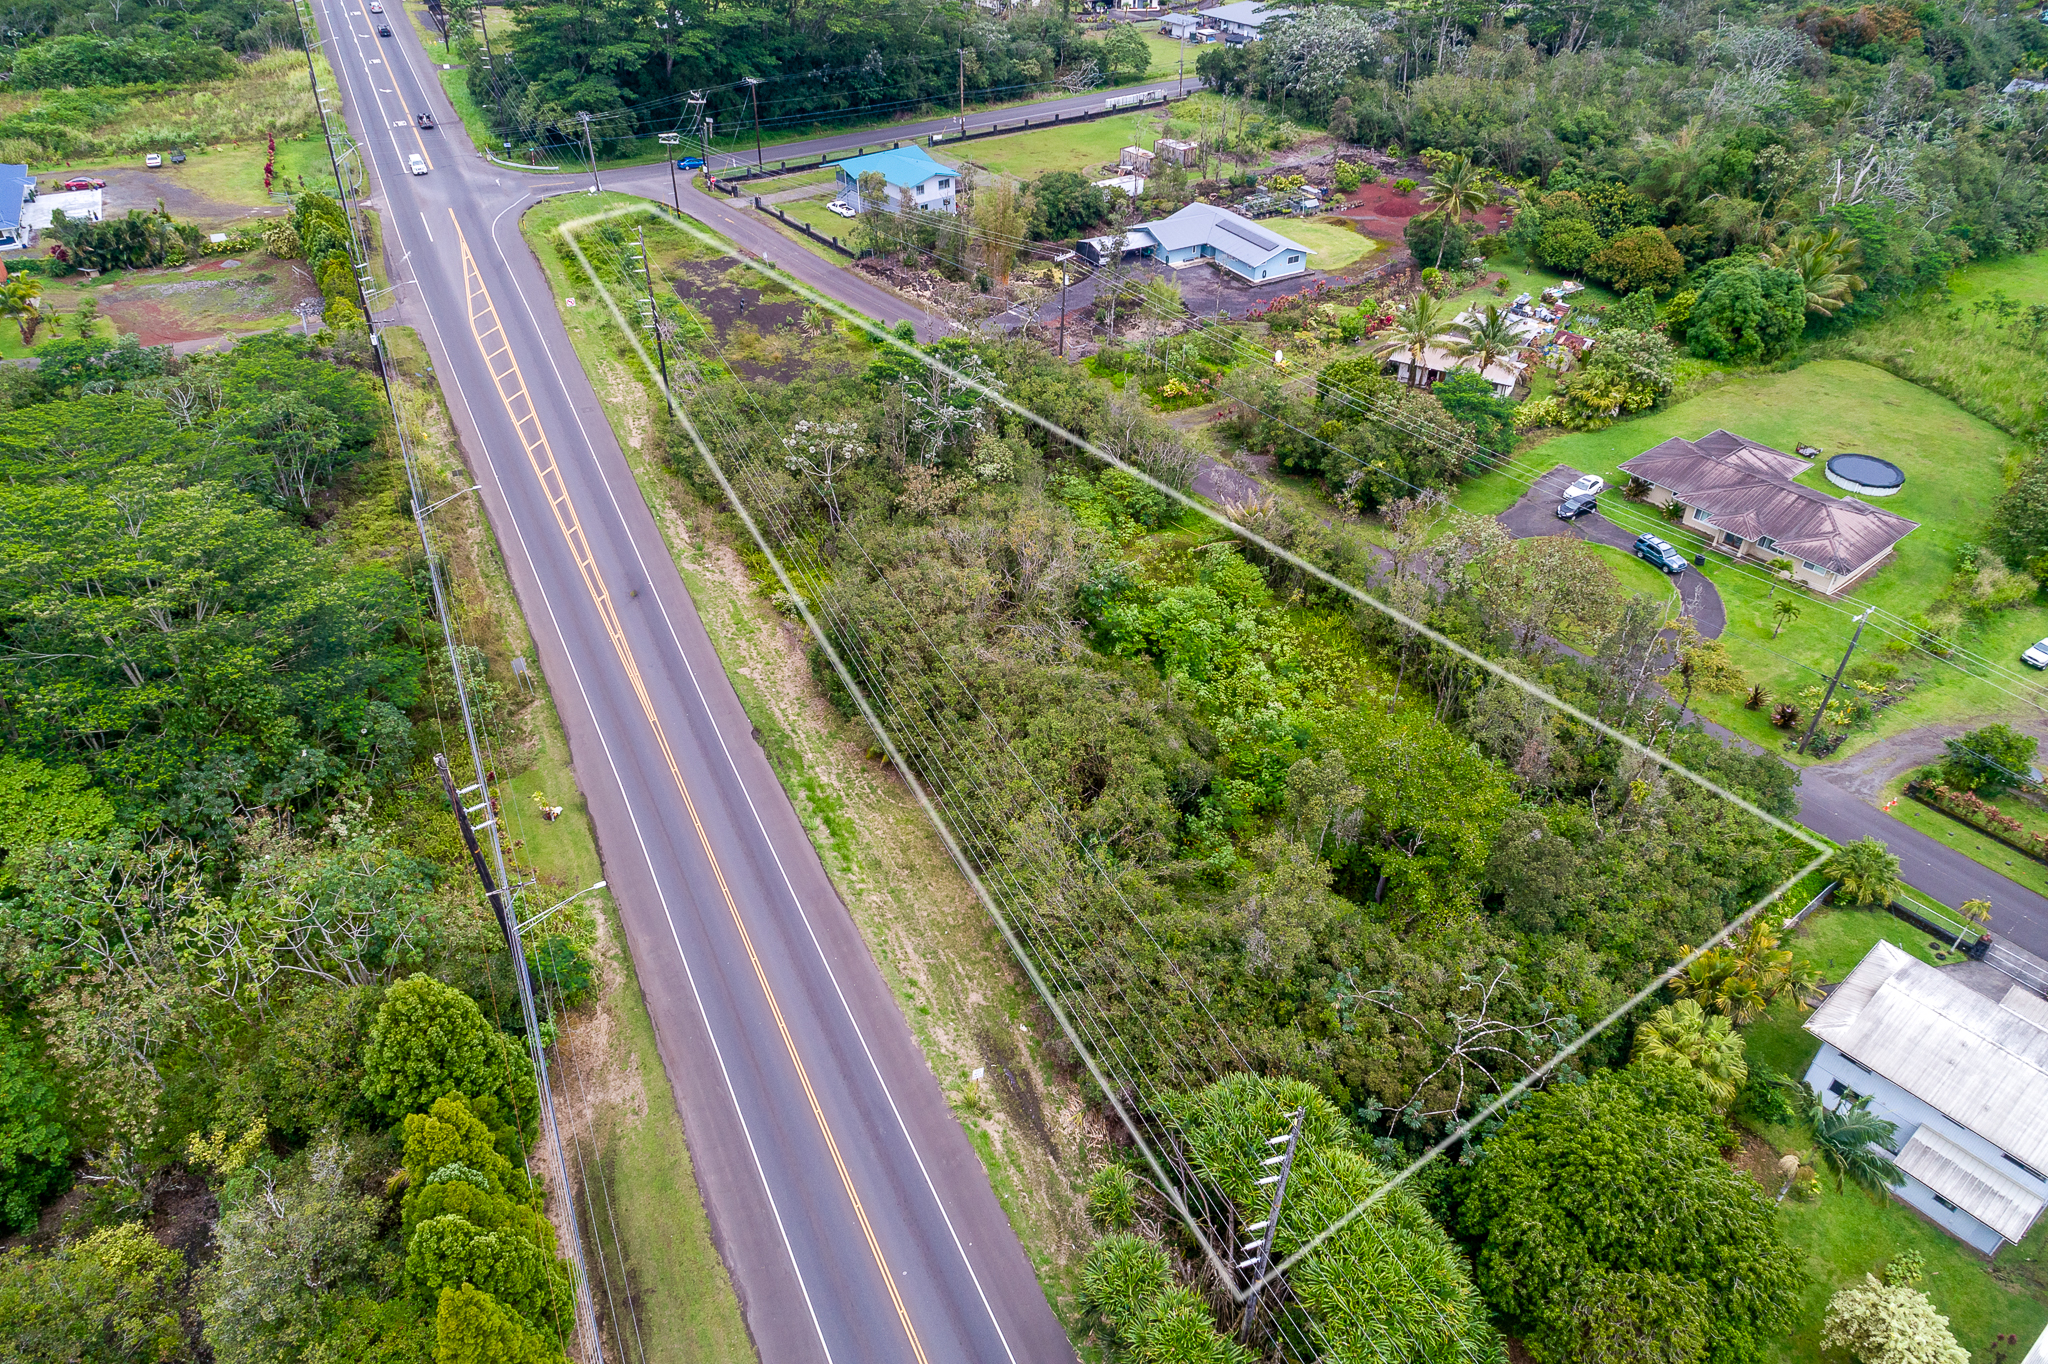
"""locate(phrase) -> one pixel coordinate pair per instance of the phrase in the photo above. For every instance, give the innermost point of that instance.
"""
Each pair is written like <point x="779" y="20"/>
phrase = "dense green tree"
<point x="1471" y="401"/>
<point x="41" y="805"/>
<point x="1640" y="258"/>
<point x="1120" y="1278"/>
<point x="1566" y="244"/>
<point x="1607" y="1221"/>
<point x="108" y="1298"/>
<point x="431" y="1040"/>
<point x="189" y="645"/>
<point x="1063" y="204"/>
<point x="35" y="1146"/>
<point x="1747" y="314"/>
<point x="1431" y="237"/>
<point x="472" y="1327"/>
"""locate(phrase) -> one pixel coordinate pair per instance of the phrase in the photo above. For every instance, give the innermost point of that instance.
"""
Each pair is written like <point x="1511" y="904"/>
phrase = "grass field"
<point x="1995" y="369"/>
<point x="1953" y="465"/>
<point x="1334" y="241"/>
<point x="1079" y="147"/>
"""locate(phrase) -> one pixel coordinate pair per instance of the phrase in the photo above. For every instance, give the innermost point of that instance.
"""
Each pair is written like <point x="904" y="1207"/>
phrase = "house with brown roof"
<point x="1740" y="494"/>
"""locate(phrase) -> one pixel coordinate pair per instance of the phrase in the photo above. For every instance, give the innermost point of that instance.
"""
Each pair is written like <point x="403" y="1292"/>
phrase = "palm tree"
<point x="1708" y="1049"/>
<point x="1822" y="260"/>
<point x="1457" y="188"/>
<point x="1416" y="327"/>
<point x="1845" y="1138"/>
<point x="1866" y="871"/>
<point x="21" y="298"/>
<point x="1489" y="338"/>
<point x="1783" y="612"/>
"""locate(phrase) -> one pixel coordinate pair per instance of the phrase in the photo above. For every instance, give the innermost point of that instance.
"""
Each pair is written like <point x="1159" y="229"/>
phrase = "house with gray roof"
<point x="1740" y="494"/>
<point x="1202" y="232"/>
<point x="1962" y="1076"/>
<point x="1243" y="21"/>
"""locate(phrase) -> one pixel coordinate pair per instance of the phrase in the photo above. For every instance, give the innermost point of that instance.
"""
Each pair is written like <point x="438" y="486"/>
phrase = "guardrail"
<point x="1071" y="116"/>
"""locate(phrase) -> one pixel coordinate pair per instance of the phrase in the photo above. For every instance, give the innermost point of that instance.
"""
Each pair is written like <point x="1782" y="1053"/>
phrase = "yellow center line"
<point x="483" y="324"/>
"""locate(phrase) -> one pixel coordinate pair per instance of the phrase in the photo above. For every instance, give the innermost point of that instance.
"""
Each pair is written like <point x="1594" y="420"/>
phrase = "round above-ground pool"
<point x="1866" y="474"/>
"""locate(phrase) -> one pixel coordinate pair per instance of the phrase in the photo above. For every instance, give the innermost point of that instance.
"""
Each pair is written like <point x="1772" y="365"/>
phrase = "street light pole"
<point x="1834" y="682"/>
<point x="753" y="84"/>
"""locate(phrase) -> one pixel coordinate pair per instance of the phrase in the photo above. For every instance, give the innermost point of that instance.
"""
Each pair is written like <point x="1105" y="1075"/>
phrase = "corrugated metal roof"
<point x="1982" y="1064"/>
<point x="13" y="189"/>
<point x="1249" y="12"/>
<point x="1207" y="225"/>
<point x="1970" y="1184"/>
<point x="1746" y="489"/>
<point x="908" y="167"/>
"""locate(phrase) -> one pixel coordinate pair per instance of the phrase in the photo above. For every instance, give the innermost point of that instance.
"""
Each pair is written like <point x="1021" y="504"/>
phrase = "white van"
<point x="418" y="163"/>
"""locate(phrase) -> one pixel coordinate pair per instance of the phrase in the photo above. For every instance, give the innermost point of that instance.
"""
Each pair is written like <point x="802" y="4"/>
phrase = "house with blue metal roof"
<point x="913" y="174"/>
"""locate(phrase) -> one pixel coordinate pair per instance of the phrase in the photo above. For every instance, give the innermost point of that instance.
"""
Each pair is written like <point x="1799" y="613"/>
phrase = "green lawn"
<point x="1079" y="147"/>
<point x="1335" y="242"/>
<point x="1635" y="575"/>
<point x="1167" y="55"/>
<point x="1953" y="465"/>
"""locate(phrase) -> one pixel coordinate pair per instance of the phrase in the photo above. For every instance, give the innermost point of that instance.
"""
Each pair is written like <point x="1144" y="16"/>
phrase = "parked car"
<point x="83" y="182"/>
<point x="843" y="210"/>
<point x="383" y="30"/>
<point x="1659" y="554"/>
<point x="152" y="161"/>
<point x="177" y="156"/>
<point x="1576" y="506"/>
<point x="690" y="163"/>
<point x="1587" y="486"/>
<point x="416" y="163"/>
<point x="2036" y="657"/>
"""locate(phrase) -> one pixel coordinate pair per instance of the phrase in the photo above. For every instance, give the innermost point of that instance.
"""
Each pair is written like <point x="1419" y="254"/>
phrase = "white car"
<point x="2036" y="657"/>
<point x="843" y="210"/>
<point x="375" y="7"/>
<point x="1587" y="486"/>
<point x="153" y="160"/>
<point x="416" y="163"/>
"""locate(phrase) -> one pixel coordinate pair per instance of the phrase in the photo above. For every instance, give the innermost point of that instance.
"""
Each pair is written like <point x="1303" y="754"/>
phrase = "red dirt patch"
<point x="1384" y="213"/>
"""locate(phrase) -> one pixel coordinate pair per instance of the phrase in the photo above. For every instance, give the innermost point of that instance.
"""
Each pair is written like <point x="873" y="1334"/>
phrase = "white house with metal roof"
<point x="1244" y="21"/>
<point x="1202" y="232"/>
<point x="1962" y="1075"/>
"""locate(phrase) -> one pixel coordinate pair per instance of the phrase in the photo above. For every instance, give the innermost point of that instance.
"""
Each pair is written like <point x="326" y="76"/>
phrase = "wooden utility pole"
<point x="753" y="84"/>
<point x="963" y="92"/>
<point x="1833" y="682"/>
<point x="1261" y="1251"/>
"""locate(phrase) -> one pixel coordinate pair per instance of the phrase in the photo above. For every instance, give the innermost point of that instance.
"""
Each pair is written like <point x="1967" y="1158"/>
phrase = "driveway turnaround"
<point x="856" y="1220"/>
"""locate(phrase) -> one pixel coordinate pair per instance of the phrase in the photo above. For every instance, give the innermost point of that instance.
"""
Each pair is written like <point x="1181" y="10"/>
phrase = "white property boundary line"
<point x="1225" y="1271"/>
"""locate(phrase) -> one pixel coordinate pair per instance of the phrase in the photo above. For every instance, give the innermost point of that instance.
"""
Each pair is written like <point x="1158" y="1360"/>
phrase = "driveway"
<point x="1536" y="514"/>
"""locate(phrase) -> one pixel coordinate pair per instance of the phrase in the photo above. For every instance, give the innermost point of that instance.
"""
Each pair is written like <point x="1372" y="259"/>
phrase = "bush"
<point x="1433" y="237"/>
<point x="1113" y="1198"/>
<point x="1989" y="759"/>
<point x="1640" y="258"/>
<point x="1889" y="1324"/>
<point x="1063" y="204"/>
<point x="1121" y="1277"/>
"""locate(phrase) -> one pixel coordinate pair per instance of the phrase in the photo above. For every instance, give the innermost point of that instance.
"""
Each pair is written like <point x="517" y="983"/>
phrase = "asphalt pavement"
<point x="851" y="1210"/>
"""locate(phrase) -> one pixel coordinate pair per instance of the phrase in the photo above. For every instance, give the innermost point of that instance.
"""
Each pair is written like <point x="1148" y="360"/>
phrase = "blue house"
<point x="910" y="171"/>
<point x="1202" y="232"/>
<point x="1964" y="1078"/>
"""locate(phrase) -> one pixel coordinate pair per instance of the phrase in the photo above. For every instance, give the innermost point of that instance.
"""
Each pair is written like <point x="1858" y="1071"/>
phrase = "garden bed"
<point x="1966" y="807"/>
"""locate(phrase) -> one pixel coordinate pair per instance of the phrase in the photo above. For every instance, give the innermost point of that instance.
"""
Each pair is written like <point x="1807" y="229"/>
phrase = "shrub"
<point x="1432" y="237"/>
<point x="1113" y="1198"/>
<point x="1889" y="1324"/>
<point x="1404" y="186"/>
<point x="1747" y="315"/>
<point x="1121" y="1277"/>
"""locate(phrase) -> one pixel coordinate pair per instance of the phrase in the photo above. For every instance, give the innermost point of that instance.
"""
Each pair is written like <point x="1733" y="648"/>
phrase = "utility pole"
<point x="653" y="313"/>
<point x="508" y="924"/>
<point x="1834" y="681"/>
<point x="753" y="84"/>
<point x="589" y="150"/>
<point x="1063" y="258"/>
<point x="963" y="92"/>
<point x="670" y="140"/>
<point x="705" y="146"/>
<point x="1183" y="61"/>
<point x="1261" y="1251"/>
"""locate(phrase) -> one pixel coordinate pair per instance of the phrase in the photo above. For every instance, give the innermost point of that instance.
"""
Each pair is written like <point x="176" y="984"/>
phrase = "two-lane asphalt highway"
<point x="849" y="1205"/>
